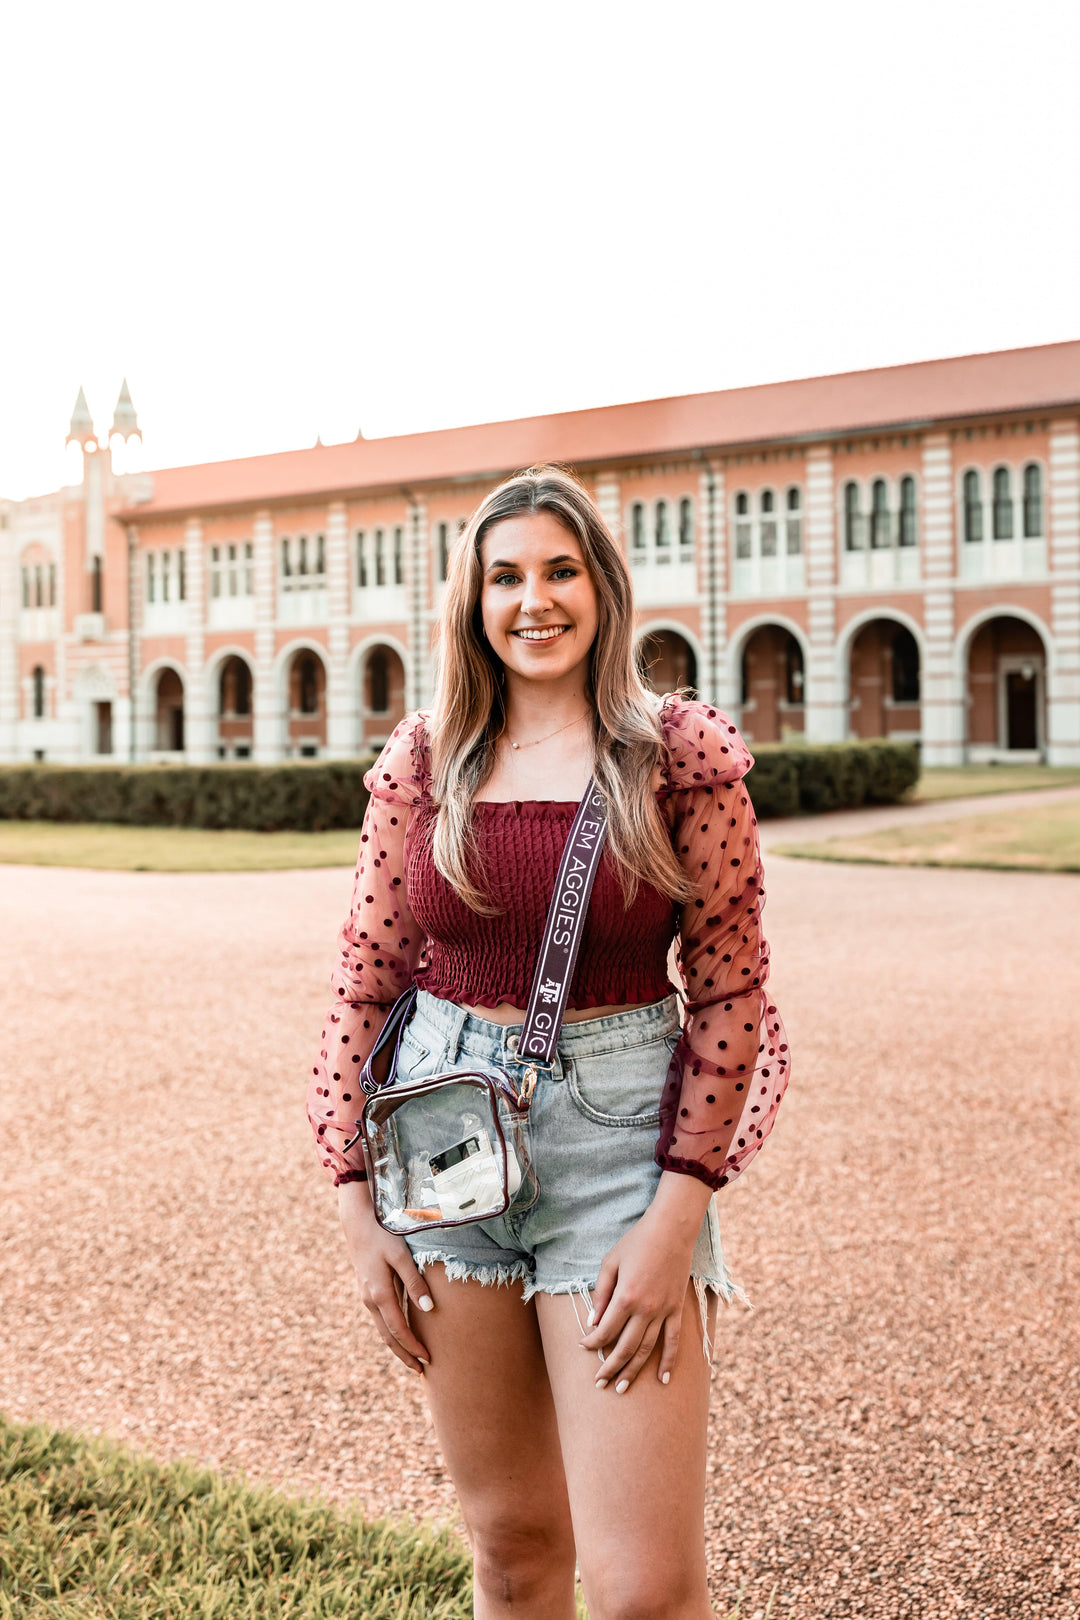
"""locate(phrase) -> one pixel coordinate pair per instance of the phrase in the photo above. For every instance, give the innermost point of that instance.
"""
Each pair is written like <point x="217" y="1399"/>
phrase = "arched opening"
<point x="382" y="694"/>
<point x="235" y="721"/>
<point x="307" y="704"/>
<point x="884" y="682"/>
<point x="169" y="713"/>
<point x="667" y="661"/>
<point x="773" y="684"/>
<point x="1006" y="691"/>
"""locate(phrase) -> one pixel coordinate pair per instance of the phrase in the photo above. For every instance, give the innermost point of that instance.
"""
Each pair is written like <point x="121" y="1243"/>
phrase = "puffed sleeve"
<point x="379" y="947"/>
<point x="730" y="1068"/>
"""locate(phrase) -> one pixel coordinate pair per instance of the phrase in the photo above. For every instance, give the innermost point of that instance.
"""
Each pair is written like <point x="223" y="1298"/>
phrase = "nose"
<point x="535" y="597"/>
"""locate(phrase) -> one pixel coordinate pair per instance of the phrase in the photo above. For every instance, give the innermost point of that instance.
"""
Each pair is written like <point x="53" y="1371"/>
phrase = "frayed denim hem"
<point x="725" y="1289"/>
<point x="495" y="1276"/>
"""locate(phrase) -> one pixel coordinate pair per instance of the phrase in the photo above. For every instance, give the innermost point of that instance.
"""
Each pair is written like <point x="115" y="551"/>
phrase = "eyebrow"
<point x="550" y="563"/>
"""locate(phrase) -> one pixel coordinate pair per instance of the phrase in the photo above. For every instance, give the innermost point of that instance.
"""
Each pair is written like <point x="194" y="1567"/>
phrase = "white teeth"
<point x="541" y="635"/>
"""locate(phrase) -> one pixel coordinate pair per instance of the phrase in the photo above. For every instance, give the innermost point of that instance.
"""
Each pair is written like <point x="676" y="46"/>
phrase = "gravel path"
<point x="895" y="1428"/>
<point x="870" y="818"/>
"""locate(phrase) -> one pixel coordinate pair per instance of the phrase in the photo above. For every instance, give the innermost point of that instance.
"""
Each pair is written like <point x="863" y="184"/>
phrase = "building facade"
<point x="887" y="553"/>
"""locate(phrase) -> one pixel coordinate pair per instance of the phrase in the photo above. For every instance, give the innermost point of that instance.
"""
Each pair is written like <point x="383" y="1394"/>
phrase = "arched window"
<point x="399" y="555"/>
<point x="378" y="683"/>
<point x="663" y="533"/>
<point x="308" y="676"/>
<point x="793" y="501"/>
<point x="443" y="535"/>
<point x="52" y="580"/>
<point x="380" y="557"/>
<point x="286" y="560"/>
<point x="26" y="587"/>
<point x="39" y="586"/>
<point x="637" y="526"/>
<point x="879" y="515"/>
<point x="973" y="514"/>
<point x="743" y="526"/>
<point x="302" y="565"/>
<point x="96" y="584"/>
<point x="39" y="692"/>
<point x="768" y="523"/>
<point x="320" y="554"/>
<point x="905" y="667"/>
<point x="794" y="671"/>
<point x="1032" y="501"/>
<point x="1003" y="506"/>
<point x="361" y="559"/>
<point x="907" y="511"/>
<point x="686" y="523"/>
<point x="854" y="539"/>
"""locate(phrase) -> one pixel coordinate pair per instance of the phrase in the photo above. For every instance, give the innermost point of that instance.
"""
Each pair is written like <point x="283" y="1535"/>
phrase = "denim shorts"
<point x="593" y="1125"/>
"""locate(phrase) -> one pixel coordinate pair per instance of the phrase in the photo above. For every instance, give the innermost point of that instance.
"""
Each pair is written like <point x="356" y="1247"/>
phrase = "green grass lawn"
<point x="957" y="781"/>
<point x="92" y="1531"/>
<point x="170" y="849"/>
<point x="1037" y="838"/>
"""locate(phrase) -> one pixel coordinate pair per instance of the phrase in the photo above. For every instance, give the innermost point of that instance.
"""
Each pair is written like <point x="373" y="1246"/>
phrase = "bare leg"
<point x="490" y="1399"/>
<point x="635" y="1471"/>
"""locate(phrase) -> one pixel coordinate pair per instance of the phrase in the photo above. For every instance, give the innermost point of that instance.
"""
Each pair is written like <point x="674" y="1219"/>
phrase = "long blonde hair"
<point x="469" y="711"/>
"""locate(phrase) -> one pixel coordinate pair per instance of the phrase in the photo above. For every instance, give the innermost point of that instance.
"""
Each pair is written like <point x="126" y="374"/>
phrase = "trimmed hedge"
<point x="804" y="778"/>
<point x="326" y="794"/>
<point x="311" y="797"/>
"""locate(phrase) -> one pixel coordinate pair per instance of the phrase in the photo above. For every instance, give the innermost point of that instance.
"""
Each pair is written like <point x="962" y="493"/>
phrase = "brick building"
<point x="884" y="553"/>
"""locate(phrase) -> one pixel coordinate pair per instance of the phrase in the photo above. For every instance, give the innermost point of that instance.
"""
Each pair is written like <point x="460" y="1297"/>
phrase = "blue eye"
<point x="499" y="578"/>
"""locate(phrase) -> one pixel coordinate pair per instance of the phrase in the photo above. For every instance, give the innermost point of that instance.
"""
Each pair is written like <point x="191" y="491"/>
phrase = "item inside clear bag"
<point x="444" y="1155"/>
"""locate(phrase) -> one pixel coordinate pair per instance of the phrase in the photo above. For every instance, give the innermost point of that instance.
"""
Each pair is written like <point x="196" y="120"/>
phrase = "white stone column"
<point x="943" y="688"/>
<point x="342" y="707"/>
<point x="715" y="682"/>
<point x="1063" y="662"/>
<point x="10" y="597"/>
<point x="607" y="501"/>
<point x="826" y="719"/>
<point x="198" y="719"/>
<point x="419" y="680"/>
<point x="268" y="725"/>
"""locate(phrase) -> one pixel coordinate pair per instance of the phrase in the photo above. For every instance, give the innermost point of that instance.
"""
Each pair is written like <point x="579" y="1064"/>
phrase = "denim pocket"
<point x="621" y="1088"/>
<point x="416" y="1059"/>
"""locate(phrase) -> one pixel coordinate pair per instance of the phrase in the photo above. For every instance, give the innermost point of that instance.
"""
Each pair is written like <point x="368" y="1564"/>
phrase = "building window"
<point x="973" y="514"/>
<point x="249" y="568"/>
<point x="151" y="576"/>
<point x="794" y="521"/>
<point x="907" y="511"/>
<point x="95" y="586"/>
<point x="399" y="555"/>
<point x="181" y="576"/>
<point x="215" y="570"/>
<point x="767" y="503"/>
<point x="854" y="538"/>
<point x="637" y="526"/>
<point x="39" y="586"/>
<point x="303" y="560"/>
<point x="361" y="559"/>
<point x="39" y="692"/>
<point x="1032" y="501"/>
<point x="26" y="587"/>
<point x="52" y="584"/>
<point x="686" y="524"/>
<point x="663" y="535"/>
<point x="286" y="557"/>
<point x="320" y="554"/>
<point x="1002" y="504"/>
<point x="166" y="575"/>
<point x="905" y="667"/>
<point x="880" y="535"/>
<point x="743" y="527"/>
<point x="442" y="534"/>
<point x="309" y="684"/>
<point x="380" y="557"/>
<point x="378" y="683"/>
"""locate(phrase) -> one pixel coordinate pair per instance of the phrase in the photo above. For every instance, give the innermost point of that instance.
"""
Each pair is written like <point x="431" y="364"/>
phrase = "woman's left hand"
<point x="641" y="1290"/>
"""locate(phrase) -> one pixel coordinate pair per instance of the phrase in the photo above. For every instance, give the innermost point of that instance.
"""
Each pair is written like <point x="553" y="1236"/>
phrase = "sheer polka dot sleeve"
<point x="730" y="1068"/>
<point x="379" y="947"/>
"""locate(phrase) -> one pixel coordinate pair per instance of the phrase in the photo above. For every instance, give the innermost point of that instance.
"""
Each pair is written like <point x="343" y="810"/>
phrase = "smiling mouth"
<point x="550" y="632"/>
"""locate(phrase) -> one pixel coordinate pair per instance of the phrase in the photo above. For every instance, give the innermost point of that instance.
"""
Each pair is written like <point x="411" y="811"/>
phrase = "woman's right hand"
<point x="386" y="1272"/>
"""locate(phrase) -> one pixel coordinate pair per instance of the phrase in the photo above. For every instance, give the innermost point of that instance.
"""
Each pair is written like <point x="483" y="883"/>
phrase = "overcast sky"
<point x="282" y="221"/>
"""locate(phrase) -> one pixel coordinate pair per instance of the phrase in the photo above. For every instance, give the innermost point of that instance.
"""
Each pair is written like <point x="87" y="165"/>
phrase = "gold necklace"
<point x="536" y="740"/>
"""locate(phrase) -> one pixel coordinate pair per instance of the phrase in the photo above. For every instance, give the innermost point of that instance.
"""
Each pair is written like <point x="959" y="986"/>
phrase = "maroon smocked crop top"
<point x="408" y="925"/>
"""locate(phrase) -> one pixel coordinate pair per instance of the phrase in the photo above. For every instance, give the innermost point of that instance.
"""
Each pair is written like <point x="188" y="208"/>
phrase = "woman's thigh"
<point x="634" y="1466"/>
<point x="491" y="1403"/>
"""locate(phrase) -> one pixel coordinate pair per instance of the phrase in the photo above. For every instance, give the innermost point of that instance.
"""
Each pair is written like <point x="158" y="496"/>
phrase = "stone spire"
<point x="82" y="424"/>
<point x="125" y="422"/>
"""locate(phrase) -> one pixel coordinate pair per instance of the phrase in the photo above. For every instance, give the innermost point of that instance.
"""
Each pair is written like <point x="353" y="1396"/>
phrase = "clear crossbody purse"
<point x="453" y="1148"/>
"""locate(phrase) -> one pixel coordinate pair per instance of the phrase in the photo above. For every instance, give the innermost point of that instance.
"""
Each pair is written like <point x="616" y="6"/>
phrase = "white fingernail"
<point x="590" y="1319"/>
<point x="601" y="1383"/>
<point x="665" y="1378"/>
<point x="624" y="1383"/>
<point x="426" y="1303"/>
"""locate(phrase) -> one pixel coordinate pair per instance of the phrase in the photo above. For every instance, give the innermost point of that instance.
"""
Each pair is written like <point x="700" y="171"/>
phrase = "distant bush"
<point x="310" y="797"/>
<point x="789" y="779"/>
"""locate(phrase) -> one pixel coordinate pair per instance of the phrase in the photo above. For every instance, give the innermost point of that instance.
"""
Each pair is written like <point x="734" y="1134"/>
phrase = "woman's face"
<point x="538" y="602"/>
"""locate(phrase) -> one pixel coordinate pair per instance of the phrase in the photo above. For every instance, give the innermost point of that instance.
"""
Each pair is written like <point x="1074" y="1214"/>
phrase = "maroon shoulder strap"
<point x="563" y="930"/>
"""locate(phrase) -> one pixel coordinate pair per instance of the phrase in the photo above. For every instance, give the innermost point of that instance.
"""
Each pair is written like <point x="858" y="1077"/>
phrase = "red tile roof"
<point x="1036" y="379"/>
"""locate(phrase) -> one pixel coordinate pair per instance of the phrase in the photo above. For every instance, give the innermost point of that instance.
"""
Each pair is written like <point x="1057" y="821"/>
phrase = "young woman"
<point x="561" y="1345"/>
